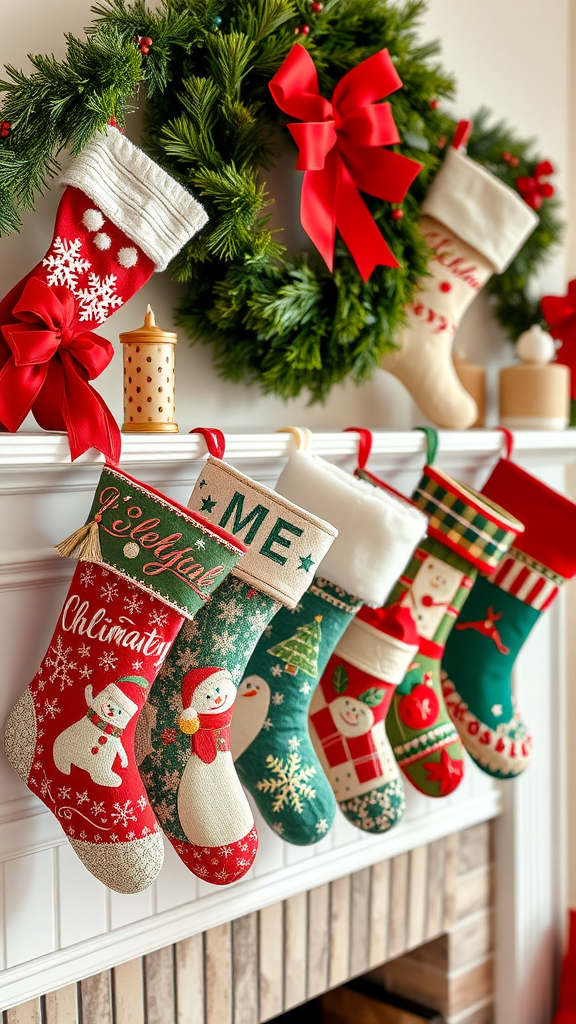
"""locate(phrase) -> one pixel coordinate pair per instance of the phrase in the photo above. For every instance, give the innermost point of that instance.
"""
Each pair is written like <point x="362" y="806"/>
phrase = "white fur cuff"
<point x="480" y="209"/>
<point x="377" y="531"/>
<point x="382" y="656"/>
<point x="285" y="543"/>
<point x="137" y="195"/>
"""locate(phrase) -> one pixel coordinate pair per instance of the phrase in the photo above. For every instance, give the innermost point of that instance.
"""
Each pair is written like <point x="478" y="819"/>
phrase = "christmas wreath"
<point x="211" y="120"/>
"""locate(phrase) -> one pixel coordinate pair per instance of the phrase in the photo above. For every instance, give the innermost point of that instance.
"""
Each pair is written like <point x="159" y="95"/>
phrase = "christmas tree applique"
<point x="301" y="650"/>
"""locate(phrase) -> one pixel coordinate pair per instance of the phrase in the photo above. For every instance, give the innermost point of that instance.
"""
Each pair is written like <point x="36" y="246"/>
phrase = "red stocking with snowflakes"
<point x="120" y="218"/>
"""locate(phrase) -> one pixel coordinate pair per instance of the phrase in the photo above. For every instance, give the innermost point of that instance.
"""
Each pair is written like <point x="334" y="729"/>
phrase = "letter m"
<point x="236" y="508"/>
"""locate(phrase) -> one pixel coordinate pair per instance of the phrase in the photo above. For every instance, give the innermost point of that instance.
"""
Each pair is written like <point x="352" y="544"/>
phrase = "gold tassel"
<point x="83" y="544"/>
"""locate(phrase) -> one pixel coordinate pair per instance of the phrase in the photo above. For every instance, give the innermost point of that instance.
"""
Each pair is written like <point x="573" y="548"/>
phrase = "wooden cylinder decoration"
<point x="536" y="394"/>
<point x="149" y="378"/>
<point x="473" y="378"/>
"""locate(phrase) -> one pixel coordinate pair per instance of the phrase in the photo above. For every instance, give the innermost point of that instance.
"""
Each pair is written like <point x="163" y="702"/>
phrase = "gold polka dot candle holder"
<point x="149" y="378"/>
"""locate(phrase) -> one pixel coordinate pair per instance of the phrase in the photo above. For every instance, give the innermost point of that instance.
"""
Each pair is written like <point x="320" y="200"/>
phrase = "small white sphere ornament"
<point x="131" y="549"/>
<point x="536" y="346"/>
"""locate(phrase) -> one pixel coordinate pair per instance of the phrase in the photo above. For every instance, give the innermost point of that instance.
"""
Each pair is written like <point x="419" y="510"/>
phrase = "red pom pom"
<point x="546" y="190"/>
<point x="316" y="7"/>
<point x="305" y="29"/>
<point x="506" y="157"/>
<point x="514" y="161"/>
<point x="147" y="41"/>
<point x="144" y="50"/>
<point x="397" y="214"/>
<point x="526" y="184"/>
<point x="543" y="169"/>
<point x="534" y="200"/>
<point x="5" y="129"/>
<point x="445" y="286"/>
<point x="434" y="104"/>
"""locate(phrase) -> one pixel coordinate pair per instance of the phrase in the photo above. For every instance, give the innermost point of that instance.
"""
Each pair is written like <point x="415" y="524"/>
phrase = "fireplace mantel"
<point x="59" y="924"/>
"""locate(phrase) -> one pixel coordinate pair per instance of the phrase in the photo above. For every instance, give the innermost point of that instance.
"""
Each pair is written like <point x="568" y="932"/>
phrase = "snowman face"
<point x="351" y="717"/>
<point x="253" y="686"/>
<point x="106" y="705"/>
<point x="215" y="694"/>
<point x="433" y="576"/>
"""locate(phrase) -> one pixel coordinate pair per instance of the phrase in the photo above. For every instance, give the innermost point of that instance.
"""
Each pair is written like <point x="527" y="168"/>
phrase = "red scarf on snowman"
<point x="213" y="736"/>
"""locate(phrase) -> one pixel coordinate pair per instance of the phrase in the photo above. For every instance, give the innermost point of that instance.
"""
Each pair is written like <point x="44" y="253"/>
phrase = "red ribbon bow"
<point x="340" y="149"/>
<point x="51" y="363"/>
<point x="560" y="315"/>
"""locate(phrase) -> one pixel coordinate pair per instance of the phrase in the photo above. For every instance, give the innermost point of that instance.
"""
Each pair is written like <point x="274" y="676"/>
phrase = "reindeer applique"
<point x="487" y="628"/>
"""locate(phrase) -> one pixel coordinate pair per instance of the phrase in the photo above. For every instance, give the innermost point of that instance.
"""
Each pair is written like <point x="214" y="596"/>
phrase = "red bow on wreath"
<point x="51" y="363"/>
<point x="560" y="315"/>
<point x="340" y="149"/>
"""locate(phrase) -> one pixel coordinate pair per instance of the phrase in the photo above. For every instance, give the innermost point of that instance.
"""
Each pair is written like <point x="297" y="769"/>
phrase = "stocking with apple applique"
<point x="120" y="218"/>
<point x="70" y="736"/>
<point x="348" y="713"/>
<point x="467" y="534"/>
<point x="188" y="768"/>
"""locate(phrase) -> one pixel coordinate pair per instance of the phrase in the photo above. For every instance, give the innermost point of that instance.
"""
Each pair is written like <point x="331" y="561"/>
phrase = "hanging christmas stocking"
<point x="467" y="533"/>
<point x="475" y="225"/>
<point x="188" y="771"/>
<point x="277" y="763"/>
<point x="348" y="712"/>
<point x="120" y="218"/>
<point x="151" y="564"/>
<point x="500" y="613"/>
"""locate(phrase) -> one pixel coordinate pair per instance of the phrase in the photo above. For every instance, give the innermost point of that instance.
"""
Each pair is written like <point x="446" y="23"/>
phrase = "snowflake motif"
<point x="71" y="831"/>
<point x="290" y="782"/>
<point x="51" y="708"/>
<point x="187" y="659"/>
<point x="278" y="828"/>
<point x="87" y="575"/>
<point x="85" y="672"/>
<point x="40" y="749"/>
<point x="322" y="826"/>
<point x="202" y="871"/>
<point x="298" y="608"/>
<point x="98" y="808"/>
<point x="171" y="781"/>
<point x="40" y="732"/>
<point x="175" y="702"/>
<point x="158" y="618"/>
<point x="293" y="743"/>
<point x="276" y="670"/>
<point x="230" y="612"/>
<point x="130" y="835"/>
<point x="113" y="837"/>
<point x="200" y="544"/>
<point x="242" y="862"/>
<point x="222" y="875"/>
<point x="164" y="812"/>
<point x="83" y="835"/>
<point x="108" y="592"/>
<point x="123" y="813"/>
<point x="225" y="851"/>
<point x="244" y="847"/>
<point x="142" y="803"/>
<point x="84" y="651"/>
<point x="306" y="688"/>
<point x="267" y="724"/>
<point x="41" y="684"/>
<point x="97" y="837"/>
<point x="82" y="798"/>
<point x="133" y="603"/>
<point x="108" y="661"/>
<point x="60" y="664"/>
<point x="64" y="792"/>
<point x="214" y="860"/>
<point x="225" y="642"/>
<point x="97" y="301"/>
<point x="65" y="263"/>
<point x="45" y="786"/>
<point x="277" y="698"/>
<point x="145" y="831"/>
<point x="137" y="666"/>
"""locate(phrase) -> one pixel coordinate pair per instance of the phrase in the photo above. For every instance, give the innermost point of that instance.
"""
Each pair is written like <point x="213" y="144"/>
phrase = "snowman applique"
<point x="431" y="594"/>
<point x="250" y="713"/>
<point x="212" y="806"/>
<point x="95" y="742"/>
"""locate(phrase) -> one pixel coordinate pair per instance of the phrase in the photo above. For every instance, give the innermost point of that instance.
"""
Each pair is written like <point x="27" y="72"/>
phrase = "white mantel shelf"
<point x="57" y="923"/>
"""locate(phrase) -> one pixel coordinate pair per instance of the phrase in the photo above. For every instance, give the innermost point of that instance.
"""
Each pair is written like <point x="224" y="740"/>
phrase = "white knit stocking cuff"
<point x="377" y="531"/>
<point x="381" y="655"/>
<point x="286" y="544"/>
<point x="480" y="209"/>
<point x="141" y="199"/>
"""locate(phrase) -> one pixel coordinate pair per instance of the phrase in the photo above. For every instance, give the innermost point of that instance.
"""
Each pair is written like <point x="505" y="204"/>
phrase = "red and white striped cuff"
<point x="527" y="580"/>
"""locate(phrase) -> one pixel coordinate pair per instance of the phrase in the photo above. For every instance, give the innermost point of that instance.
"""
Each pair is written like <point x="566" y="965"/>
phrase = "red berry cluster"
<point x="144" y="44"/>
<point x="5" y="129"/>
<point x="509" y="159"/>
<point x="535" y="188"/>
<point x="316" y="8"/>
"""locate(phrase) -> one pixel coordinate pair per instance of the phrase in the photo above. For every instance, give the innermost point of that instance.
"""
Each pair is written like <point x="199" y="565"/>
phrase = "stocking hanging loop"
<point x="509" y="440"/>
<point x="214" y="438"/>
<point x="432" y="443"/>
<point x="302" y="436"/>
<point x="364" y="445"/>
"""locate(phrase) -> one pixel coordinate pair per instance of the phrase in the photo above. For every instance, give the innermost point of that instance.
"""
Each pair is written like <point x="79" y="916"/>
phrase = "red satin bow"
<point x="51" y="363"/>
<point x="340" y="149"/>
<point x="560" y="315"/>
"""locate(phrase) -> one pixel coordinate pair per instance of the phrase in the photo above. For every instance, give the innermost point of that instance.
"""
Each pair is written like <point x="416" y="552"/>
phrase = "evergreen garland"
<point x="274" y="316"/>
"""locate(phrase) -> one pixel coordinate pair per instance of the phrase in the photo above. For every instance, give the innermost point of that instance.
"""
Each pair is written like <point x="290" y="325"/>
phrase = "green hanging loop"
<point x="432" y="443"/>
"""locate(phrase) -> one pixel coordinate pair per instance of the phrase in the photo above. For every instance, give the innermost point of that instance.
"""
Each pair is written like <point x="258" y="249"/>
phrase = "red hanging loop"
<point x="214" y="438"/>
<point x="509" y="438"/>
<point x="462" y="134"/>
<point x="365" y="444"/>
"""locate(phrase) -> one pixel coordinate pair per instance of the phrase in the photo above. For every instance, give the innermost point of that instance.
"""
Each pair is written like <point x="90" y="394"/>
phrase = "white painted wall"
<point x="510" y="54"/>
